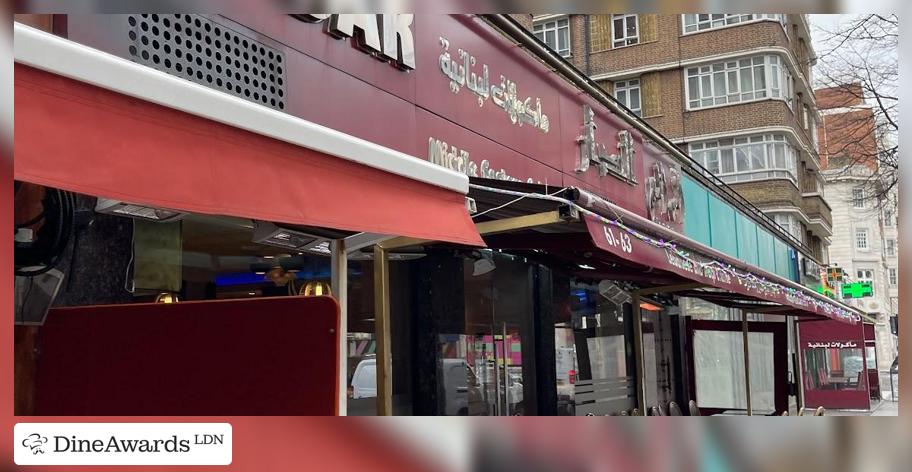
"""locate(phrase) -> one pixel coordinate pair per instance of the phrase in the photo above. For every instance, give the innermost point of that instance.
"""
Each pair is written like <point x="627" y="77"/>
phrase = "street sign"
<point x="857" y="290"/>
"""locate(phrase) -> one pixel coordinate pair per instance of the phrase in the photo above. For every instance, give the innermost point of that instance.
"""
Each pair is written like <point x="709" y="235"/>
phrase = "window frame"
<point x="861" y="234"/>
<point x="781" y="18"/>
<point x="892" y="276"/>
<point x="734" y="152"/>
<point x="890" y="247"/>
<point x="625" y="39"/>
<point x="861" y="275"/>
<point x="737" y="74"/>
<point x="888" y="218"/>
<point x="627" y="87"/>
<point x="544" y="26"/>
<point x="858" y="201"/>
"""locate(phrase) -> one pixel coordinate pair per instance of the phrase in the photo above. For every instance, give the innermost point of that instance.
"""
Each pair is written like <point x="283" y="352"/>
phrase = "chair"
<point x="635" y="412"/>
<point x="656" y="411"/>
<point x="624" y="413"/>
<point x="785" y="413"/>
<point x="820" y="411"/>
<point x="694" y="409"/>
<point x="801" y="411"/>
<point x="674" y="409"/>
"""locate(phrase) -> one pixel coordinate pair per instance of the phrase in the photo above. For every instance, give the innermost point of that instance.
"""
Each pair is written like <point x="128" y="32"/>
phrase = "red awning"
<point x="723" y="273"/>
<point x="86" y="139"/>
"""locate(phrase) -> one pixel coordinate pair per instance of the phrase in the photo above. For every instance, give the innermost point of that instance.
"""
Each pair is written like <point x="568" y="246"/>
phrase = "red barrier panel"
<point x="269" y="356"/>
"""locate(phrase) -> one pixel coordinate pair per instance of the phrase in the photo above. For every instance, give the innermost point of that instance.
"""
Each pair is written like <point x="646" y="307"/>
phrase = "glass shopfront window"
<point x="719" y="370"/>
<point x="121" y="254"/>
<point x="595" y="363"/>
<point x="827" y="368"/>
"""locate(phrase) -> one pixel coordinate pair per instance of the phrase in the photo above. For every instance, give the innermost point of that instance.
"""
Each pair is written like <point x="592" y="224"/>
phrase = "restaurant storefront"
<point x="839" y="364"/>
<point x="501" y="236"/>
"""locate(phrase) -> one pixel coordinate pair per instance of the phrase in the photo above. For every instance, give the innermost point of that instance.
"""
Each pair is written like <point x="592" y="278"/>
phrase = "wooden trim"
<point x="382" y="325"/>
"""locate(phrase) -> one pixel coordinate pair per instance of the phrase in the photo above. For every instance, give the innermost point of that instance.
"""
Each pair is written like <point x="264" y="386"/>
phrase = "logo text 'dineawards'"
<point x="122" y="443"/>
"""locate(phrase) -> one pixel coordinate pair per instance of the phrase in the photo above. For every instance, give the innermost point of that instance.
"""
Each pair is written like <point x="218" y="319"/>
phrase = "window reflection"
<point x="834" y="369"/>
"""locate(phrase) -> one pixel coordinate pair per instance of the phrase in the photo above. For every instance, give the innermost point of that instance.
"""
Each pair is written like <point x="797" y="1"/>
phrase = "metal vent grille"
<point x="205" y="52"/>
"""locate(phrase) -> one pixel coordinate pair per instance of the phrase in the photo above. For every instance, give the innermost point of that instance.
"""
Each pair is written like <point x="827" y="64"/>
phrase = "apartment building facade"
<point x="732" y="90"/>
<point x="866" y="247"/>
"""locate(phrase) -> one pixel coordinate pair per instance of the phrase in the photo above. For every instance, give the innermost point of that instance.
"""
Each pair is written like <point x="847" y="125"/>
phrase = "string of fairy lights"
<point x="746" y="279"/>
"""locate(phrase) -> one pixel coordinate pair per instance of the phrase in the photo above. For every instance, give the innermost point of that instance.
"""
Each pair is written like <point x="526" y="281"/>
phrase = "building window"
<point x="789" y="222"/>
<point x="888" y="217"/>
<point x="813" y="132"/>
<point x="624" y="30"/>
<point x="892" y="275"/>
<point x="701" y="22"/>
<point x="628" y="93"/>
<point x="890" y="248"/>
<point x="864" y="275"/>
<point x="861" y="238"/>
<point x="858" y="196"/>
<point x="763" y="156"/>
<point x="751" y="78"/>
<point x="555" y="33"/>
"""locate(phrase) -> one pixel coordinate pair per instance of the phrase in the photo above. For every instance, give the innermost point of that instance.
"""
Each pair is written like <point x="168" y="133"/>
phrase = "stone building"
<point x="866" y="246"/>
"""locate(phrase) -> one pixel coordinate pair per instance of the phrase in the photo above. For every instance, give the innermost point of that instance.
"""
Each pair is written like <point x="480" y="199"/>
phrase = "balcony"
<point x="819" y="215"/>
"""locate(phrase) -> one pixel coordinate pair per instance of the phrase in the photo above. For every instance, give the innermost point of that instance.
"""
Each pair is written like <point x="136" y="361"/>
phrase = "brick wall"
<point x="732" y="39"/>
<point x="770" y="193"/>
<point x="524" y="19"/>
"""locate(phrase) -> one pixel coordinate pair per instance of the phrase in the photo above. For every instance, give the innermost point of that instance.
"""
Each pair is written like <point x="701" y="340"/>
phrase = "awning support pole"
<point x="747" y="376"/>
<point x="382" y="328"/>
<point x="799" y="375"/>
<point x="638" y="351"/>
<point x="339" y="282"/>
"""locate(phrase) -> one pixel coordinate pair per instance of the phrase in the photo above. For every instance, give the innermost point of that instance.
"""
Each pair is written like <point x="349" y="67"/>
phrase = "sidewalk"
<point x="886" y="407"/>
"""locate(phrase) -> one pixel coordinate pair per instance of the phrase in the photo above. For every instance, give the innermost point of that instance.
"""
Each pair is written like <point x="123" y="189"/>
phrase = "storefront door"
<point x="500" y="378"/>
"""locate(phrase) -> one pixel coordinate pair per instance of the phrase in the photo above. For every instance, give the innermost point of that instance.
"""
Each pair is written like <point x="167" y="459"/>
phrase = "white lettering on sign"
<point x="460" y="71"/>
<point x="833" y="345"/>
<point x="710" y="272"/>
<point x="387" y="37"/>
<point x="620" y="165"/>
<point x="619" y="240"/>
<point x="453" y="158"/>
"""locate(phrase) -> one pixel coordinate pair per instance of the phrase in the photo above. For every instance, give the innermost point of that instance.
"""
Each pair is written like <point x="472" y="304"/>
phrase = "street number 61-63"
<point x="622" y="240"/>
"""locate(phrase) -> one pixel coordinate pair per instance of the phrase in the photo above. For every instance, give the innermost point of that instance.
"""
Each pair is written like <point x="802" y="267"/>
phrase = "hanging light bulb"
<point x="315" y="288"/>
<point x="166" y="297"/>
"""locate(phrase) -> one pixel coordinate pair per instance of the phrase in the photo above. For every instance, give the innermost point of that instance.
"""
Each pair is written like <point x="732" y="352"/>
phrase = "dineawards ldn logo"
<point x="35" y="442"/>
<point x="122" y="443"/>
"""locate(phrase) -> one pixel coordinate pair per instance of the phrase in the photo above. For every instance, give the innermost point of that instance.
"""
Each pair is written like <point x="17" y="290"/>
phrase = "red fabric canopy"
<point x="617" y="242"/>
<point x="82" y="138"/>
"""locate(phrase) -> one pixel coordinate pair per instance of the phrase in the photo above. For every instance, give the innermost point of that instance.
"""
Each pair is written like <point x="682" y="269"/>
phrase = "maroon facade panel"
<point x="511" y="117"/>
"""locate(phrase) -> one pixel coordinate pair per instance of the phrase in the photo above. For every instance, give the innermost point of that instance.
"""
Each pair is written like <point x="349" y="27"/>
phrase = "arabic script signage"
<point x="832" y="345"/>
<point x="591" y="152"/>
<point x="664" y="194"/>
<point x="462" y="74"/>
